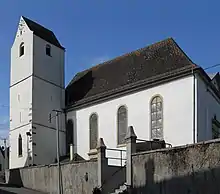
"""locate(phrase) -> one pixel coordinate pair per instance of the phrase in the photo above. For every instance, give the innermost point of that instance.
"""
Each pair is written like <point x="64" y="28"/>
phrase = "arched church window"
<point x="156" y="118"/>
<point x="21" y="49"/>
<point x="70" y="129"/>
<point x="19" y="145"/>
<point x="122" y="119"/>
<point x="48" y="50"/>
<point x="93" y="131"/>
<point x="50" y="118"/>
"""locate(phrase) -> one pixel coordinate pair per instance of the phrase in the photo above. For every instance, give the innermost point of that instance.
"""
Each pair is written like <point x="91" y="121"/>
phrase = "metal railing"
<point x="141" y="140"/>
<point x="167" y="145"/>
<point x="117" y="158"/>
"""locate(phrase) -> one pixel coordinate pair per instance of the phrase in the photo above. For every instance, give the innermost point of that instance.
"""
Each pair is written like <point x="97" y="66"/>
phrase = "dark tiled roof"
<point x="144" y="64"/>
<point x="216" y="81"/>
<point x="42" y="32"/>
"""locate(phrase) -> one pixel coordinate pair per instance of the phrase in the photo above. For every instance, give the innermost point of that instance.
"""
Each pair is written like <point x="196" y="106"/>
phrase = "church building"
<point x="158" y="90"/>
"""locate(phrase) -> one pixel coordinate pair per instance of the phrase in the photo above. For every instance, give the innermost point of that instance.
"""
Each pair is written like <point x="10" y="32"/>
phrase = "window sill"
<point x="19" y="156"/>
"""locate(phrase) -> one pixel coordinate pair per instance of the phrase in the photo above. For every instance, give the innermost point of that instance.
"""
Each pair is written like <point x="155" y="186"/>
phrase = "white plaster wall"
<point x="45" y="148"/>
<point x="208" y="106"/>
<point x="20" y="96"/>
<point x="14" y="160"/>
<point x="50" y="68"/>
<point x="21" y="103"/>
<point x="48" y="94"/>
<point x="47" y="97"/>
<point x="39" y="83"/>
<point x="22" y="67"/>
<point x="178" y="115"/>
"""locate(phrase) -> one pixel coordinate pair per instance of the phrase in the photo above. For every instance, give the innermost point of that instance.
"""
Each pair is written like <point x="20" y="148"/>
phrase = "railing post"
<point x="130" y="139"/>
<point x="102" y="161"/>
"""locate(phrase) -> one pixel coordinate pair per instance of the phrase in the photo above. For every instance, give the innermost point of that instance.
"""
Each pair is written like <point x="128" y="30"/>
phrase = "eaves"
<point x="133" y="88"/>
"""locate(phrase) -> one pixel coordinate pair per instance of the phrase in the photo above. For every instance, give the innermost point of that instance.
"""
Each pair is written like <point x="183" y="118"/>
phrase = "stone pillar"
<point x="130" y="139"/>
<point x="102" y="162"/>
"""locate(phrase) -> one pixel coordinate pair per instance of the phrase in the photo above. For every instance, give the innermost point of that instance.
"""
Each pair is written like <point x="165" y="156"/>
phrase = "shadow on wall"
<point x="202" y="182"/>
<point x="14" y="179"/>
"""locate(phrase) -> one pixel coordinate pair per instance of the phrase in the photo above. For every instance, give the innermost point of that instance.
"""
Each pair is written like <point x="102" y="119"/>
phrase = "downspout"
<point x="194" y="111"/>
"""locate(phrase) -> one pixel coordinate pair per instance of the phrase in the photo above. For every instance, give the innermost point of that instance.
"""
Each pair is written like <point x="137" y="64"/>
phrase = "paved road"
<point x="4" y="189"/>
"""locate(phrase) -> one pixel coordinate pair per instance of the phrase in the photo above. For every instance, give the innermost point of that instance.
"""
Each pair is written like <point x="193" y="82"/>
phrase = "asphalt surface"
<point x="5" y="189"/>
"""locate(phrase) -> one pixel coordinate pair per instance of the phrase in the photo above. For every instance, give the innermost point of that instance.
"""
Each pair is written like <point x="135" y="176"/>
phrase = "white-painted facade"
<point x="36" y="88"/>
<point x="208" y="106"/>
<point x="178" y="114"/>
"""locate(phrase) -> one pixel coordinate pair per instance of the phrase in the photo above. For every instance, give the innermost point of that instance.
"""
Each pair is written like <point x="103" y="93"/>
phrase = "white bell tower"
<point x="36" y="88"/>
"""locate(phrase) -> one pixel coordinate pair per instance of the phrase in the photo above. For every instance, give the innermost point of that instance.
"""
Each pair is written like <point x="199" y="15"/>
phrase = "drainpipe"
<point x="71" y="152"/>
<point x="194" y="111"/>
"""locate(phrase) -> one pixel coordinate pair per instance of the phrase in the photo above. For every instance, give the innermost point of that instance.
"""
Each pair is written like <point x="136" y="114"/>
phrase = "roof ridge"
<point x="183" y="51"/>
<point x="42" y="32"/>
<point x="131" y="69"/>
<point x="25" y="18"/>
<point x="147" y="80"/>
<point x="127" y="54"/>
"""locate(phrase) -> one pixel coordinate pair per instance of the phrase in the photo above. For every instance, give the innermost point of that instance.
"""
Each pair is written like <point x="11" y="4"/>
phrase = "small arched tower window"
<point x="93" y="131"/>
<point x="156" y="118"/>
<point x="19" y="145"/>
<point x="122" y="119"/>
<point x="21" y="49"/>
<point x="48" y="50"/>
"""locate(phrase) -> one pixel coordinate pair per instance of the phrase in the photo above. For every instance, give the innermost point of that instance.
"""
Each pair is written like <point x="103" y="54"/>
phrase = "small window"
<point x="122" y="124"/>
<point x="48" y="50"/>
<point x="93" y="131"/>
<point x="156" y="118"/>
<point x="19" y="145"/>
<point x="21" y="50"/>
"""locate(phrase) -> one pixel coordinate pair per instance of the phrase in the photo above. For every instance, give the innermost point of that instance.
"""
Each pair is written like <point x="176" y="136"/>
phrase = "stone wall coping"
<point x="55" y="164"/>
<point x="179" y="147"/>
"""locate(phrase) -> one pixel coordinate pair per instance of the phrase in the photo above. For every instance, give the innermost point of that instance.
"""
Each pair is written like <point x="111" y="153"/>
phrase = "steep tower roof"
<point x="42" y="32"/>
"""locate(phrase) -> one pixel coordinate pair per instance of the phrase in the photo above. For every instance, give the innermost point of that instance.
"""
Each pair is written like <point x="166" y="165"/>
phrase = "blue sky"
<point x="93" y="31"/>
